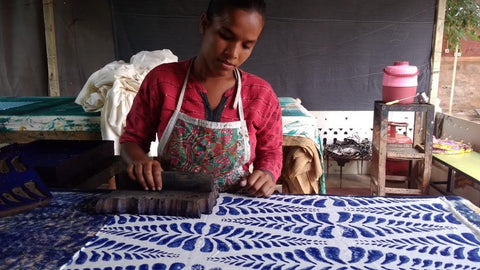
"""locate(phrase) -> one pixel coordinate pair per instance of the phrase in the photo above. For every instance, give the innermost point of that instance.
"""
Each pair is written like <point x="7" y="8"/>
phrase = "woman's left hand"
<point x="259" y="184"/>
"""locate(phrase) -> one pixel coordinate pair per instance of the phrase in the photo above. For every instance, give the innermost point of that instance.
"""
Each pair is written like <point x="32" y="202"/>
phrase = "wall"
<point x="357" y="125"/>
<point x="467" y="89"/>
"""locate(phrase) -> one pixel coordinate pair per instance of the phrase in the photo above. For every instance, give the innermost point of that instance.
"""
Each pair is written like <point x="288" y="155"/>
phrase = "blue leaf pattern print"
<point x="290" y="232"/>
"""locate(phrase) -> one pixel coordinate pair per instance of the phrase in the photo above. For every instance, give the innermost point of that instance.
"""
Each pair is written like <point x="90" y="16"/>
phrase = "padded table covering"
<point x="46" y="114"/>
<point x="298" y="121"/>
<point x="61" y="113"/>
<point x="294" y="232"/>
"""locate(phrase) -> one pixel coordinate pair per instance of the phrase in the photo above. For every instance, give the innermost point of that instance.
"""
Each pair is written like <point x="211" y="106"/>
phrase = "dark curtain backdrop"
<point x="328" y="53"/>
<point x="22" y="49"/>
<point x="84" y="41"/>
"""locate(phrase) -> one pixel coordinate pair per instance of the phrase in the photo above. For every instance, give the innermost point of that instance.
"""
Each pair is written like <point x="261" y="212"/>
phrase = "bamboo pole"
<point x="437" y="51"/>
<point x="454" y="74"/>
<point x="51" y="48"/>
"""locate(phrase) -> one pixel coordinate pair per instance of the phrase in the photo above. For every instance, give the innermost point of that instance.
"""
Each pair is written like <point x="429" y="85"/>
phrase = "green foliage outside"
<point x="462" y="21"/>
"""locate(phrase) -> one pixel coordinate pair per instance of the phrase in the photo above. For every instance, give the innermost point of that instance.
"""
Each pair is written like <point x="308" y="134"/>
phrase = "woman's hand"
<point x="259" y="184"/>
<point x="147" y="173"/>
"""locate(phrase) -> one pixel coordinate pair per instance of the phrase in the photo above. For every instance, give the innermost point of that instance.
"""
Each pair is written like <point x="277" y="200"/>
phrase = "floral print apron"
<point x="195" y="145"/>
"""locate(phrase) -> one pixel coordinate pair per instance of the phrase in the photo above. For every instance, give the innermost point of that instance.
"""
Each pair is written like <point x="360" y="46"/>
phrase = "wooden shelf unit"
<point x="418" y="153"/>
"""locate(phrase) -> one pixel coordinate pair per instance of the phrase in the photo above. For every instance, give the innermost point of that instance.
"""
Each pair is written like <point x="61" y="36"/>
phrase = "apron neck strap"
<point x="238" y="95"/>
<point x="184" y="86"/>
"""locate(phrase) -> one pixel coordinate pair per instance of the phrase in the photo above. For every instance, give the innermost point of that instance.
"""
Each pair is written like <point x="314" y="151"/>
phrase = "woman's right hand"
<point x="147" y="172"/>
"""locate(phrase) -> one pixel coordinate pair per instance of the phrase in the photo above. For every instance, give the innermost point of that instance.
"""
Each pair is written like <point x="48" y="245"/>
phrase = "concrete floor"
<point x="353" y="184"/>
<point x="355" y="179"/>
<point x="349" y="184"/>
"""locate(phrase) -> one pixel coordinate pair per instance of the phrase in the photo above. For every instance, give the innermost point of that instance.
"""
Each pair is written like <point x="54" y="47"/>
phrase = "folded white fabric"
<point x="111" y="91"/>
<point x="92" y="96"/>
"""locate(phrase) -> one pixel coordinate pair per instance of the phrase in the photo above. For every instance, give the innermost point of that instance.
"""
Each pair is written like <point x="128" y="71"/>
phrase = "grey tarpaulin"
<point x="330" y="54"/>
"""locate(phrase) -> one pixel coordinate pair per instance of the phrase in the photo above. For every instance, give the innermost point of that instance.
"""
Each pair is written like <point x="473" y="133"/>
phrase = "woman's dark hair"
<point x="218" y="7"/>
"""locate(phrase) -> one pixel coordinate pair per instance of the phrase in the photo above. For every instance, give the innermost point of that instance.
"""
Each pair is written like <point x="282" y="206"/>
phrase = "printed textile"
<point x="292" y="232"/>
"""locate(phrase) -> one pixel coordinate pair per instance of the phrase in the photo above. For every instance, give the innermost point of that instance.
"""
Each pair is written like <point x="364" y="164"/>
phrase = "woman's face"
<point x="228" y="40"/>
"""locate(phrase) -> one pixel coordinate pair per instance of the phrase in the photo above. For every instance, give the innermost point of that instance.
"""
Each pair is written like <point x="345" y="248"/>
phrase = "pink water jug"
<point x="400" y="81"/>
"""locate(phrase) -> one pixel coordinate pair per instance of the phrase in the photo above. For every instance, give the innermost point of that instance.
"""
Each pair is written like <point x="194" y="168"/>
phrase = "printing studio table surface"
<point x="279" y="232"/>
<point x="24" y="119"/>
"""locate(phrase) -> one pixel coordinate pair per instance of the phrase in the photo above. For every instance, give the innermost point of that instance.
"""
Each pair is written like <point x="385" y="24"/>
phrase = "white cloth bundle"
<point x="111" y="91"/>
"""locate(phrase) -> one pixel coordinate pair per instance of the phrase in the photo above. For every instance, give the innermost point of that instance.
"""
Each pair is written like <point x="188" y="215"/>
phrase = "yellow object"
<point x="450" y="147"/>
<point x="398" y="100"/>
<point x="392" y="102"/>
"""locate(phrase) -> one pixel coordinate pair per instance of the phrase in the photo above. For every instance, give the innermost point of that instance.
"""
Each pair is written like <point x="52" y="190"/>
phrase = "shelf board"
<point x="404" y="153"/>
<point x="404" y="191"/>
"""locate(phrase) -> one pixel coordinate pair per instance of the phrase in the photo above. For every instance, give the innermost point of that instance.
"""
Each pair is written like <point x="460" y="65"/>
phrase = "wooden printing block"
<point x="183" y="194"/>
<point x="165" y="202"/>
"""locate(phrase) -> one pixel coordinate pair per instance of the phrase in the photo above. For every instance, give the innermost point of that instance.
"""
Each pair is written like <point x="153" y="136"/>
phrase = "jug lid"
<point x="401" y="68"/>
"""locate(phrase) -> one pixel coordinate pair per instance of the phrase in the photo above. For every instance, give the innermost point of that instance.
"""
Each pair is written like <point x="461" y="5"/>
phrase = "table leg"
<point x="328" y="165"/>
<point x="341" y="178"/>
<point x="449" y="180"/>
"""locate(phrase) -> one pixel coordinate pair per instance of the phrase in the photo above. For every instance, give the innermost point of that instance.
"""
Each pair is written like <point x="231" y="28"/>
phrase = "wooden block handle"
<point x="201" y="182"/>
<point x="198" y="182"/>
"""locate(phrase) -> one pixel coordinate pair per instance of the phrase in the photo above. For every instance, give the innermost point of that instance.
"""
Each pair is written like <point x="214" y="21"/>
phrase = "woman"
<point x="209" y="115"/>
